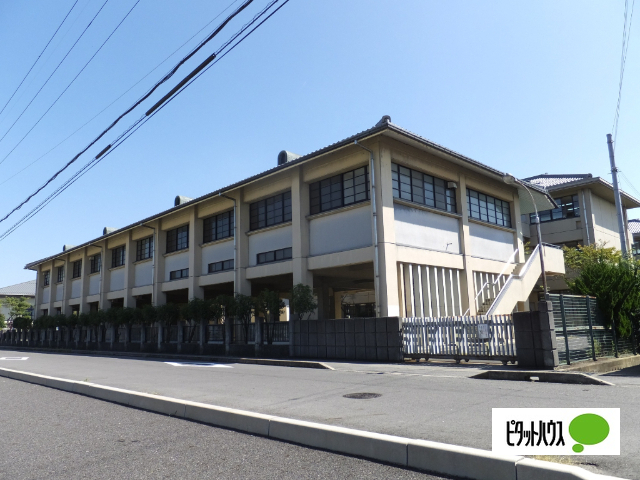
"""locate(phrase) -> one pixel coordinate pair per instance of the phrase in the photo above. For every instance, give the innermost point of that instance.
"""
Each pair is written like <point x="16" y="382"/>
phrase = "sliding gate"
<point x="460" y="338"/>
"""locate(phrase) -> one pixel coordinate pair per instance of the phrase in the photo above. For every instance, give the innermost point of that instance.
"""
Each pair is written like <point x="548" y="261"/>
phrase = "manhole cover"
<point x="362" y="396"/>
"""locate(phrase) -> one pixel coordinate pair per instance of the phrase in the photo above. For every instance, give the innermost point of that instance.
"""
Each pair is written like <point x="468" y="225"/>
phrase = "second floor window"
<point x="218" y="227"/>
<point x="95" y="263"/>
<point x="421" y="188"/>
<point x="340" y="190"/>
<point x="46" y="278"/>
<point x="60" y="274"/>
<point x="271" y="211"/>
<point x="178" y="239"/>
<point x="77" y="269"/>
<point x="144" y="248"/>
<point x="275" y="256"/>
<point x="488" y="209"/>
<point x="177" y="274"/>
<point x="117" y="257"/>
<point x="567" y="208"/>
<point x="221" y="266"/>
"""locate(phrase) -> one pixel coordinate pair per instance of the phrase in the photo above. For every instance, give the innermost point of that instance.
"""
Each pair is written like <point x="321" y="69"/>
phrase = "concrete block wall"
<point x="367" y="339"/>
<point x="536" y="345"/>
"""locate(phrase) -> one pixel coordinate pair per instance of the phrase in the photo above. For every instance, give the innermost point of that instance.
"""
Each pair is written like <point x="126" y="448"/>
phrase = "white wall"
<point x="58" y="292"/>
<point x="605" y="222"/>
<point x="142" y="272"/>
<point x="94" y="284"/>
<point x="268" y="241"/>
<point x="175" y="262"/>
<point x="46" y="292"/>
<point x="216" y="253"/>
<point x="117" y="280"/>
<point x="422" y="229"/>
<point x="490" y="243"/>
<point x="341" y="231"/>
<point x="76" y="287"/>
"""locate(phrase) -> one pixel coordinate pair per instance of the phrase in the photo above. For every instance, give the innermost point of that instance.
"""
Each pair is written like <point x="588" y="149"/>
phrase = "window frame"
<point x="213" y="227"/>
<point x="270" y="211"/>
<point x="635" y="248"/>
<point x="501" y="219"/>
<point x="144" y="252"/>
<point x="423" y="189"/>
<point x="178" y="239"/>
<point x="76" y="270"/>
<point x="95" y="266"/>
<point x="60" y="274"/>
<point x="46" y="278"/>
<point x="341" y="190"/>
<point x="564" y="211"/>
<point x="118" y="256"/>
<point x="211" y="268"/>
<point x="184" y="273"/>
<point x="284" y="253"/>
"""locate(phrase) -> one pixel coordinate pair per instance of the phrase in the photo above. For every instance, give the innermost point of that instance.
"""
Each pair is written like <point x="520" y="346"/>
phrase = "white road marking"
<point x="197" y="364"/>
<point x="14" y="358"/>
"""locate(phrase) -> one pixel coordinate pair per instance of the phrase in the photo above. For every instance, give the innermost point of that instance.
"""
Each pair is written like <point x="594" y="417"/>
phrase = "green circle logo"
<point x="588" y="429"/>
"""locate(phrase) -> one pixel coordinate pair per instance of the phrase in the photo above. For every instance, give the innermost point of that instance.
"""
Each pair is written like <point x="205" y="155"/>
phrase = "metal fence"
<point x="191" y="334"/>
<point x="481" y="337"/>
<point x="275" y="332"/>
<point x="243" y="333"/>
<point x="581" y="333"/>
<point x="215" y="333"/>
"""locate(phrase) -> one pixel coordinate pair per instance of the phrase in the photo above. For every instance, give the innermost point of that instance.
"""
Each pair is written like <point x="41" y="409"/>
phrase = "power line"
<point x="52" y="73"/>
<point x="120" y="96"/>
<point x="70" y="83"/>
<point x="37" y="59"/>
<point x="133" y="128"/>
<point x="626" y="33"/>
<point x="626" y="179"/>
<point x="138" y="102"/>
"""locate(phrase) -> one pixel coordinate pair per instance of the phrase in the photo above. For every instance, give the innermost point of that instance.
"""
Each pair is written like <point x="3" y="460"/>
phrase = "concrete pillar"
<point x="536" y="344"/>
<point x="160" y="248"/>
<point x="84" y="281"/>
<point x="52" y="286"/>
<point x="324" y="301"/>
<point x="516" y="222"/>
<point x="38" y="297"/>
<point x="300" y="228"/>
<point x="243" y="285"/>
<point x="589" y="214"/>
<point x="389" y="300"/>
<point x="129" y="272"/>
<point x="66" y="286"/>
<point x="105" y="276"/>
<point x="195" y="254"/>
<point x="467" y="288"/>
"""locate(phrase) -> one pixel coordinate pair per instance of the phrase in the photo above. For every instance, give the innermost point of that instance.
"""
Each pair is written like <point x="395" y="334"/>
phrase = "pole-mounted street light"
<point x="511" y="180"/>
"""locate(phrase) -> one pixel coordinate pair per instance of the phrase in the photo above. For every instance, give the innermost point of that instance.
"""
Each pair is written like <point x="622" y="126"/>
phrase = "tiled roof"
<point x="547" y="181"/>
<point x="27" y="289"/>
<point x="634" y="226"/>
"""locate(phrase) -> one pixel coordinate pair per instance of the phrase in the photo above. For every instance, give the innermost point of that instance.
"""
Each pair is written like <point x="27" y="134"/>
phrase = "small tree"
<point x="3" y="324"/>
<point x="22" y="323"/>
<point x="270" y="305"/>
<point x="302" y="301"/>
<point x="18" y="307"/>
<point x="149" y="315"/>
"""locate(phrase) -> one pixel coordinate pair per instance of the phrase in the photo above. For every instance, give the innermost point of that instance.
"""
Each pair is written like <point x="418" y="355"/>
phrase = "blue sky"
<point x="527" y="88"/>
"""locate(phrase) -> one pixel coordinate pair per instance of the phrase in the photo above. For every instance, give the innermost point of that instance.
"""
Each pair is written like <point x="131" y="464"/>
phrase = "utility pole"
<point x="622" y="228"/>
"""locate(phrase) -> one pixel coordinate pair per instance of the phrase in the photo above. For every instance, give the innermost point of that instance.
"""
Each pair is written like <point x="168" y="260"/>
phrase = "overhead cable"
<point x="626" y="34"/>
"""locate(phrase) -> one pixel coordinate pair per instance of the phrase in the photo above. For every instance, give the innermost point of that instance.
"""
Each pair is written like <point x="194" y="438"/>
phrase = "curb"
<point x="537" y="376"/>
<point x="603" y="365"/>
<point x="173" y="356"/>
<point x="434" y="457"/>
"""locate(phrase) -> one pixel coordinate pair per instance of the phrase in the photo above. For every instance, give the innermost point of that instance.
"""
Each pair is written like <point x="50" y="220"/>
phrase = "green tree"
<point x="270" y="305"/>
<point x="3" y="324"/>
<point x="302" y="300"/>
<point x="18" y="307"/>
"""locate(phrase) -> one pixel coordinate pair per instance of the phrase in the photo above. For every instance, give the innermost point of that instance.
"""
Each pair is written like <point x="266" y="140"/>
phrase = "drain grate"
<point x="362" y="396"/>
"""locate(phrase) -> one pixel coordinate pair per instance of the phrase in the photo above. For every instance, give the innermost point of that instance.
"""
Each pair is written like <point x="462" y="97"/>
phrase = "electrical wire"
<point x="37" y="59"/>
<point x="52" y="73"/>
<point x="138" y="102"/>
<point x="134" y="127"/>
<point x="626" y="34"/>
<point x="626" y="179"/>
<point x="120" y="96"/>
<point x="70" y="83"/>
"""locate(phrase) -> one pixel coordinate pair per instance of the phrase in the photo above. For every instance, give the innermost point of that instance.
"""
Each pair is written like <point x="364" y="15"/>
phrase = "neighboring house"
<point x="586" y="214"/>
<point x="448" y="235"/>
<point x="25" y="289"/>
<point x="634" y="230"/>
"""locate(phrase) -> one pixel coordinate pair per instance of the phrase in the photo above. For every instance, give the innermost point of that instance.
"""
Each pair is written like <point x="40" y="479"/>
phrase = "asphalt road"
<point x="436" y="402"/>
<point x="51" y="434"/>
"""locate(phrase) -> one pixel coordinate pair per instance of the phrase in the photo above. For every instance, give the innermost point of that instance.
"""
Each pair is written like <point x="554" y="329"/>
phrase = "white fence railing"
<point x="482" y="337"/>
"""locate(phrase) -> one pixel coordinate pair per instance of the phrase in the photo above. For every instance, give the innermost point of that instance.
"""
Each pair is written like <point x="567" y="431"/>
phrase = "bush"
<point x="302" y="300"/>
<point x="22" y="323"/>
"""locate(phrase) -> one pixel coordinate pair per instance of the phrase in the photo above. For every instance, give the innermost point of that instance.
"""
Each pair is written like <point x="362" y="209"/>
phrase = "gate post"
<point x="564" y="329"/>
<point x="593" y="343"/>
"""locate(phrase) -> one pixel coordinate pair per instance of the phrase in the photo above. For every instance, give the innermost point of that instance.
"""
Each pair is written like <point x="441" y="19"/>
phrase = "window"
<point x="421" y="188"/>
<point x="77" y="269"/>
<point x="60" y="274"/>
<point x="635" y="249"/>
<point x="221" y="266"/>
<point x="567" y="208"/>
<point x="178" y="239"/>
<point x="95" y="263"/>
<point x="271" y="211"/>
<point x="275" y="255"/>
<point x="117" y="257"/>
<point x="488" y="209"/>
<point x="46" y="278"/>
<point x="339" y="190"/>
<point x="144" y="248"/>
<point x="218" y="227"/>
<point x="178" y="274"/>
